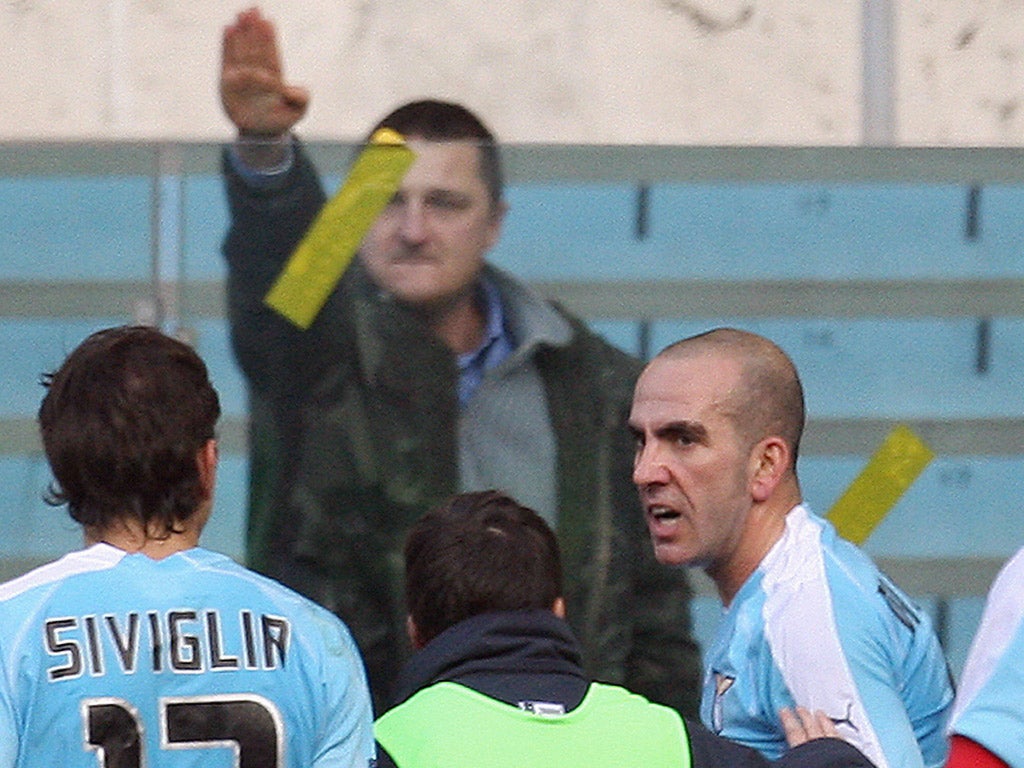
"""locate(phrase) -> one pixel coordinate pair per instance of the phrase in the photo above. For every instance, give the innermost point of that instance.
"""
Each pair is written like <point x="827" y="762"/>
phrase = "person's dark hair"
<point x="122" y="422"/>
<point x="477" y="553"/>
<point x="446" y="121"/>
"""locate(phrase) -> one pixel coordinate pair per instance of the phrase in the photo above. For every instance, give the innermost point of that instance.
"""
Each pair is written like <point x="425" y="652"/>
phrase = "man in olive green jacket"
<point x="428" y="372"/>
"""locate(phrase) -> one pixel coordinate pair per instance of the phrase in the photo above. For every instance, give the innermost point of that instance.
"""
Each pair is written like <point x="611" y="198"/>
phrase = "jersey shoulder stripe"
<point x="96" y="558"/>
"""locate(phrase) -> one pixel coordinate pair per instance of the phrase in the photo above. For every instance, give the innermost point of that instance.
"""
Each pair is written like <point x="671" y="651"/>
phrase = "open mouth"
<point x="663" y="515"/>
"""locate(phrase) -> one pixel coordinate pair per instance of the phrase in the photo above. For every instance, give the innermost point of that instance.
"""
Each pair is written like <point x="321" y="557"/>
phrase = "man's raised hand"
<point x="252" y="90"/>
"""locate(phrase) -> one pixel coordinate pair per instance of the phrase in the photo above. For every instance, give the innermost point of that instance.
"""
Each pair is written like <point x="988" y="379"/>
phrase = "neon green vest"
<point x="450" y="726"/>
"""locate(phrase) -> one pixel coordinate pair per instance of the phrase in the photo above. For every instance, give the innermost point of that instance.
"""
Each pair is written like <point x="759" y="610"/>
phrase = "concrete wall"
<point x="572" y="71"/>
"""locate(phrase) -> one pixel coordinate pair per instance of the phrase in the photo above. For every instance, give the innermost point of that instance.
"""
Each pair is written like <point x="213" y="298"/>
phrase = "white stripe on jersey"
<point x="801" y="630"/>
<point x="98" y="557"/>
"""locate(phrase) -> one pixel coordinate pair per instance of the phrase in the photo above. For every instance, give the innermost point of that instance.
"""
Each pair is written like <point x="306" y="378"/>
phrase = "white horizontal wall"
<point x="574" y="71"/>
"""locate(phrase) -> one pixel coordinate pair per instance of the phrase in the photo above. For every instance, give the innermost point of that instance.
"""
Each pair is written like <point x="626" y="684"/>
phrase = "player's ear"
<point x="770" y="460"/>
<point x="206" y="462"/>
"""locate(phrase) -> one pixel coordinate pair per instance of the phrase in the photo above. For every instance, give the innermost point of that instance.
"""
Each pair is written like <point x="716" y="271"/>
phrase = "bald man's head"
<point x="769" y="399"/>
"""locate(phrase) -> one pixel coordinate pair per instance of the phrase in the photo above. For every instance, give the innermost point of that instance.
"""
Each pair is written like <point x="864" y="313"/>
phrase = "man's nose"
<point x="413" y="224"/>
<point x="648" y="465"/>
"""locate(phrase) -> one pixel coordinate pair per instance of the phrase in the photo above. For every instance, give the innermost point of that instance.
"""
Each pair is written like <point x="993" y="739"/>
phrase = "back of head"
<point x="478" y="553"/>
<point x="771" y="399"/>
<point x="122" y="422"/>
<point x="434" y="120"/>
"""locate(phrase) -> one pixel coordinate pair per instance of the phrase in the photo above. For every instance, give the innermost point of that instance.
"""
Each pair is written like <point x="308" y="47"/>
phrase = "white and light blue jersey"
<point x="108" y="658"/>
<point x="818" y="625"/>
<point x="989" y="706"/>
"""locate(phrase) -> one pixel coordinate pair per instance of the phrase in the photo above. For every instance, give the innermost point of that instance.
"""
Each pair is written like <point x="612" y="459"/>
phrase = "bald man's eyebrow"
<point x="684" y="432"/>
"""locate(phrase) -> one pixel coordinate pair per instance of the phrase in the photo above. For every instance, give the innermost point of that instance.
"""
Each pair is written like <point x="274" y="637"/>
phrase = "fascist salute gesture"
<point x="253" y="92"/>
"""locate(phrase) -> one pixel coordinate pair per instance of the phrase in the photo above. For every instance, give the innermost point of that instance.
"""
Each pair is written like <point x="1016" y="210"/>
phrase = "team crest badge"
<point x="722" y="684"/>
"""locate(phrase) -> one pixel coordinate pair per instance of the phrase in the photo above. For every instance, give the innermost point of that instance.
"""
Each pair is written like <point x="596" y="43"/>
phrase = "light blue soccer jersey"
<point x="818" y="625"/>
<point x="110" y="659"/>
<point x="989" y="707"/>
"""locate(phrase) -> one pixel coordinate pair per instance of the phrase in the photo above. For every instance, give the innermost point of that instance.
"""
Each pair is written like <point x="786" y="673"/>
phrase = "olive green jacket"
<point x="353" y="437"/>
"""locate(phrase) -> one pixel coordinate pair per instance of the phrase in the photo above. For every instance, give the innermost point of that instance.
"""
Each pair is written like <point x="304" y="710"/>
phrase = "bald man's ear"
<point x="770" y="461"/>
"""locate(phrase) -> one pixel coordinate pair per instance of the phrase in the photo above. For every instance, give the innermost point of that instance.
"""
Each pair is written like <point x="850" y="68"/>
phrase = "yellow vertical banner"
<point x="892" y="469"/>
<point x="328" y="247"/>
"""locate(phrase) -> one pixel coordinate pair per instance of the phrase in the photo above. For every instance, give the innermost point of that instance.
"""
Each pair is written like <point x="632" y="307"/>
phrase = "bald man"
<point x="717" y="419"/>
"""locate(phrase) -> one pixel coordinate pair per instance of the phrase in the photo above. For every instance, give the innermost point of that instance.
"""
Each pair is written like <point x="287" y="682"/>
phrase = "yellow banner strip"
<point x="892" y="469"/>
<point x="328" y="247"/>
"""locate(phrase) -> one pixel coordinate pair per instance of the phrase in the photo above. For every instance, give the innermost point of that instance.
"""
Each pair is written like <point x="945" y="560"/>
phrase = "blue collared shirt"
<point x="496" y="345"/>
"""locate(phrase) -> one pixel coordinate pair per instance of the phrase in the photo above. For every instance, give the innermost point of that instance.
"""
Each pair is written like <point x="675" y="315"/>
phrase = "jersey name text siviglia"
<point x="180" y="641"/>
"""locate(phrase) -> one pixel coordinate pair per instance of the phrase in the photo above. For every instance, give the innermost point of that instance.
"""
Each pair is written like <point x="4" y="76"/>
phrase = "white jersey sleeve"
<point x="989" y="706"/>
